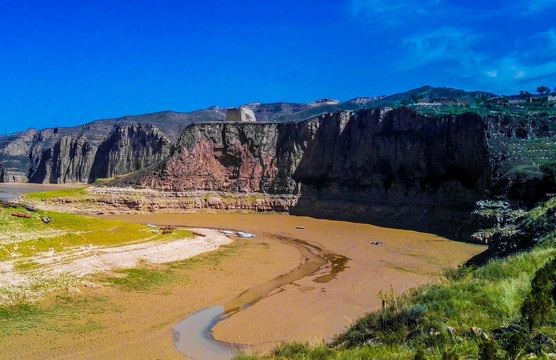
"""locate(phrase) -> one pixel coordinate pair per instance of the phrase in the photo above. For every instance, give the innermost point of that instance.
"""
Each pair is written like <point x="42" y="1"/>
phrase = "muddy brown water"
<point x="10" y="191"/>
<point x="339" y="276"/>
<point x="193" y="335"/>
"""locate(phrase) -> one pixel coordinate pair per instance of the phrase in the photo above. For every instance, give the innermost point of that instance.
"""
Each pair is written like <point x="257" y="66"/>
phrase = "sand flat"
<point x="312" y="311"/>
<point x="138" y="325"/>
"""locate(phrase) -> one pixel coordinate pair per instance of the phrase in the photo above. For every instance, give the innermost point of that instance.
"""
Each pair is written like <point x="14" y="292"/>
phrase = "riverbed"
<point x="268" y="279"/>
<point x="381" y="260"/>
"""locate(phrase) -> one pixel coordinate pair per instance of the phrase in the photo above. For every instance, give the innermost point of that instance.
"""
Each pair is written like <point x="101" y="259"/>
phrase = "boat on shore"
<point x="21" y="215"/>
<point x="245" y="235"/>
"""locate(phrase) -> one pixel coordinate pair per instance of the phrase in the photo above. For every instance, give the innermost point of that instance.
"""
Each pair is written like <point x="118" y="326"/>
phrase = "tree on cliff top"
<point x="543" y="90"/>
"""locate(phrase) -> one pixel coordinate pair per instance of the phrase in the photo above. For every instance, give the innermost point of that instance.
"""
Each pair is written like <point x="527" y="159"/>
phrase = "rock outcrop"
<point x="45" y="156"/>
<point x="127" y="148"/>
<point x="381" y="166"/>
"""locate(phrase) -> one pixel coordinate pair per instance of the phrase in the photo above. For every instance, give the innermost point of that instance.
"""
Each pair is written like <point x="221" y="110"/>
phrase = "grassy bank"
<point x="29" y="245"/>
<point x="24" y="237"/>
<point x="77" y="193"/>
<point x="473" y="314"/>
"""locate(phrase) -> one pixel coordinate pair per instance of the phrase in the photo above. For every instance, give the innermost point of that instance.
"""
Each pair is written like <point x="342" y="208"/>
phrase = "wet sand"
<point x="312" y="310"/>
<point x="110" y="322"/>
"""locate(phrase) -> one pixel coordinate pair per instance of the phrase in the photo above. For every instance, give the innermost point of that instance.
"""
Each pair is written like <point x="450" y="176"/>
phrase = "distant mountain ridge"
<point x="111" y="147"/>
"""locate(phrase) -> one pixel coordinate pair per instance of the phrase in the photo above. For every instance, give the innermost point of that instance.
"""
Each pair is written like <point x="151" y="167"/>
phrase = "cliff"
<point x="422" y="167"/>
<point x="381" y="166"/>
<point x="126" y="149"/>
<point x="110" y="147"/>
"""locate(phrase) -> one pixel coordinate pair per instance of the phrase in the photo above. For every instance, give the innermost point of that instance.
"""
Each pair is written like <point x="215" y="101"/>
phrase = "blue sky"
<point x="64" y="63"/>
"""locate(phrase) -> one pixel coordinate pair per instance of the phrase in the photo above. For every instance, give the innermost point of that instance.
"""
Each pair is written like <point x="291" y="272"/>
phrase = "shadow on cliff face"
<point x="129" y="148"/>
<point x="394" y="168"/>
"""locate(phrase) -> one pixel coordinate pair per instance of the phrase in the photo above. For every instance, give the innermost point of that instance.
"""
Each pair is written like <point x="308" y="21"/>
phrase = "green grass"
<point x="439" y="317"/>
<point x="27" y="237"/>
<point x="71" y="314"/>
<point x="540" y="212"/>
<point x="141" y="279"/>
<point x="77" y="192"/>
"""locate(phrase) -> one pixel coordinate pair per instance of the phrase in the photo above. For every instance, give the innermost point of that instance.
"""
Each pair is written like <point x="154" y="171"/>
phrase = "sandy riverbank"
<point x="135" y="324"/>
<point x="312" y="311"/>
<point x="91" y="259"/>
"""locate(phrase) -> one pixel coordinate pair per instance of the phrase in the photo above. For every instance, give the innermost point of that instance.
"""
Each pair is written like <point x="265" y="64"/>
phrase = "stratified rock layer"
<point x="384" y="166"/>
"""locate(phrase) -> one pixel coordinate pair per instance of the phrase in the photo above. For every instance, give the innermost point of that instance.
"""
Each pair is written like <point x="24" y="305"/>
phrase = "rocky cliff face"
<point x="129" y="148"/>
<point x="126" y="149"/>
<point x="14" y="151"/>
<point x="381" y="166"/>
<point x="101" y="148"/>
<point x="68" y="160"/>
<point x="47" y="155"/>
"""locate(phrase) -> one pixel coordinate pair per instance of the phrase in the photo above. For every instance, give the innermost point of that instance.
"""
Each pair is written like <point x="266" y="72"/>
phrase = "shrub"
<point x="539" y="302"/>
<point x="419" y="354"/>
<point x="488" y="350"/>
<point x="290" y="349"/>
<point x="450" y="355"/>
<point x="515" y="344"/>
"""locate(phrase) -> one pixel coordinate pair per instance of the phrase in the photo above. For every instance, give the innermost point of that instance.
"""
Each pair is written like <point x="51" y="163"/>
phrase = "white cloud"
<point x="444" y="44"/>
<point x="456" y="51"/>
<point x="462" y="39"/>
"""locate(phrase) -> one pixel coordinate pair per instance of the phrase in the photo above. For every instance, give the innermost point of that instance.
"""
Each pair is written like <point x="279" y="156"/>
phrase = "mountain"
<point x="111" y="147"/>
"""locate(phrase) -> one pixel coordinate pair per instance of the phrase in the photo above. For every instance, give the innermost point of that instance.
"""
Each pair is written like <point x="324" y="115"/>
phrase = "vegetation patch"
<point x="77" y="193"/>
<point x="213" y="259"/>
<point x="27" y="244"/>
<point x="71" y="313"/>
<point x="141" y="279"/>
<point x="502" y="310"/>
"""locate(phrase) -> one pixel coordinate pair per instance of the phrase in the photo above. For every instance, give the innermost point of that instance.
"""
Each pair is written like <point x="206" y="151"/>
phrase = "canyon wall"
<point x="381" y="166"/>
<point x="102" y="148"/>
<point x="78" y="159"/>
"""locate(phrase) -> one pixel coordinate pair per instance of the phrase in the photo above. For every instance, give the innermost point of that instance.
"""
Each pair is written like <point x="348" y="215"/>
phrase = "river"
<point x="341" y="269"/>
<point x="11" y="191"/>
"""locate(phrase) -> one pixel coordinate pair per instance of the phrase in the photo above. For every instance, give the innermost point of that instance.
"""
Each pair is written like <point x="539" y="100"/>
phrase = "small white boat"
<point x="227" y="232"/>
<point x="151" y="225"/>
<point x="245" y="235"/>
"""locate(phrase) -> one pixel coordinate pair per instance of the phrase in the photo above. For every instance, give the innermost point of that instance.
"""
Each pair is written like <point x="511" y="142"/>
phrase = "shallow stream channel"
<point x="193" y="335"/>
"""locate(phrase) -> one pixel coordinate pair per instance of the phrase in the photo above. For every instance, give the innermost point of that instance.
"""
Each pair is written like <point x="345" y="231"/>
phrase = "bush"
<point x="540" y="301"/>
<point x="488" y="350"/>
<point x="515" y="344"/>
<point x="290" y="349"/>
<point x="419" y="354"/>
<point x="450" y="355"/>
